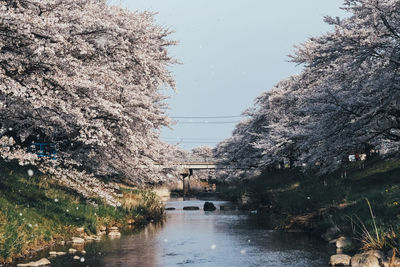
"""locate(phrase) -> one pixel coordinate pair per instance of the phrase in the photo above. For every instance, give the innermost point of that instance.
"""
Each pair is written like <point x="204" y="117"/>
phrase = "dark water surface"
<point x="198" y="238"/>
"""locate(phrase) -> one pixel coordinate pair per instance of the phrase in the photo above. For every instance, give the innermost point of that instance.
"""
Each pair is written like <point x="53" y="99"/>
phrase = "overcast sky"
<point x="231" y="51"/>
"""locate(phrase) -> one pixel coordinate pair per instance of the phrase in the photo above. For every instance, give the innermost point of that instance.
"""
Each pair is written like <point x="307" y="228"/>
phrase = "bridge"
<point x="198" y="165"/>
<point x="188" y="165"/>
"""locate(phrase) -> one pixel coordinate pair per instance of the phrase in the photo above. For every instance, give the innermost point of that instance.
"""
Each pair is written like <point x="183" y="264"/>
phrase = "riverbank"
<point x="331" y="205"/>
<point x="36" y="212"/>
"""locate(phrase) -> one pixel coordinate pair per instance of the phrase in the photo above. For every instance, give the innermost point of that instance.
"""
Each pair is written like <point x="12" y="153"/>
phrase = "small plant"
<point x="378" y="238"/>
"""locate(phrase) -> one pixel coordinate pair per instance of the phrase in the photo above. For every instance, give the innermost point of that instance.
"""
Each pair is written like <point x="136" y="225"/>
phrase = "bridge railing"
<point x="193" y="159"/>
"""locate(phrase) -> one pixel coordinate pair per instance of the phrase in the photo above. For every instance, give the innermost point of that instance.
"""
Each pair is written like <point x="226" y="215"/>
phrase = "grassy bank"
<point x="36" y="211"/>
<point x="293" y="199"/>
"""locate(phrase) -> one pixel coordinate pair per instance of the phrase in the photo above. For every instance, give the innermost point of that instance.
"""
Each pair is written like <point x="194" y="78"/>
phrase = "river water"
<point x="199" y="238"/>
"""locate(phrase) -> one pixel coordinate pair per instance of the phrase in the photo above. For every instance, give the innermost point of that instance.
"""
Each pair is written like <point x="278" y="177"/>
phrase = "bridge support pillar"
<point x="186" y="181"/>
<point x="186" y="185"/>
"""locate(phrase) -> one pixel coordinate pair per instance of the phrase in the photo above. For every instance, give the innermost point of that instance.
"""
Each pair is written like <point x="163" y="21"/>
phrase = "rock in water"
<point x="209" y="206"/>
<point x="169" y="208"/>
<point x="78" y="240"/>
<point x="114" y="234"/>
<point x="90" y="238"/>
<point x="343" y="242"/>
<point x="372" y="258"/>
<point x="191" y="208"/>
<point x="42" y="262"/>
<point x="340" y="259"/>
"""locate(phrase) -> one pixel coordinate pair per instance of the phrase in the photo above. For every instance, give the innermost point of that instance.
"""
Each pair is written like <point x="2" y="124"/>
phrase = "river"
<point x="198" y="238"/>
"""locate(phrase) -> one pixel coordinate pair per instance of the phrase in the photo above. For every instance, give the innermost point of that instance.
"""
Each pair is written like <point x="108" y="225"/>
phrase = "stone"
<point x="377" y="253"/>
<point x="191" y="208"/>
<point x="90" y="238"/>
<point x="101" y="233"/>
<point x="53" y="253"/>
<point x="78" y="240"/>
<point x="72" y="251"/>
<point x="343" y="242"/>
<point x="103" y="228"/>
<point x="131" y="221"/>
<point x="61" y="253"/>
<point x="339" y="259"/>
<point x="76" y="258"/>
<point x="80" y="229"/>
<point x="114" y="228"/>
<point x="209" y="206"/>
<point x="372" y="258"/>
<point x="41" y="262"/>
<point x="171" y="208"/>
<point x="83" y="252"/>
<point x="114" y="234"/>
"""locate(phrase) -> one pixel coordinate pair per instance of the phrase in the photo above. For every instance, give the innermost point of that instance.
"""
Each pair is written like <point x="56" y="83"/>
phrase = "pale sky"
<point x="231" y="51"/>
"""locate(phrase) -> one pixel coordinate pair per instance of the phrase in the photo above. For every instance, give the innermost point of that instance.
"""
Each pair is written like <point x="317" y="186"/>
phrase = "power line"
<point x="210" y="117"/>
<point x="194" y="142"/>
<point x="206" y="122"/>
<point x="194" y="139"/>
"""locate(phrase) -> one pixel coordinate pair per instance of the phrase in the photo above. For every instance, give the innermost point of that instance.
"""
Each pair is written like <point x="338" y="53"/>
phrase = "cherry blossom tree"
<point x="352" y="81"/>
<point x="346" y="99"/>
<point x="204" y="152"/>
<point x="88" y="77"/>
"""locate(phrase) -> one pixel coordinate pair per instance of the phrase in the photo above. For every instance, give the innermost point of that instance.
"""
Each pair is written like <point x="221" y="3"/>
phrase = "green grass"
<point x="36" y="211"/>
<point x="292" y="192"/>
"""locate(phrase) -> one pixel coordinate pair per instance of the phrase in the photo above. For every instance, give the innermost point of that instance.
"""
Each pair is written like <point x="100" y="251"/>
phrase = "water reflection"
<point x="198" y="238"/>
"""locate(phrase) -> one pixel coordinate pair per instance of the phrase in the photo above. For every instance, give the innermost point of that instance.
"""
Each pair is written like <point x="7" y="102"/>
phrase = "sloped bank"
<point x="359" y="202"/>
<point x="37" y="212"/>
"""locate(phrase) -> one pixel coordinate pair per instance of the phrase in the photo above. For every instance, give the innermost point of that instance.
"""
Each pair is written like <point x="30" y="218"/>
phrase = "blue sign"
<point x="47" y="150"/>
